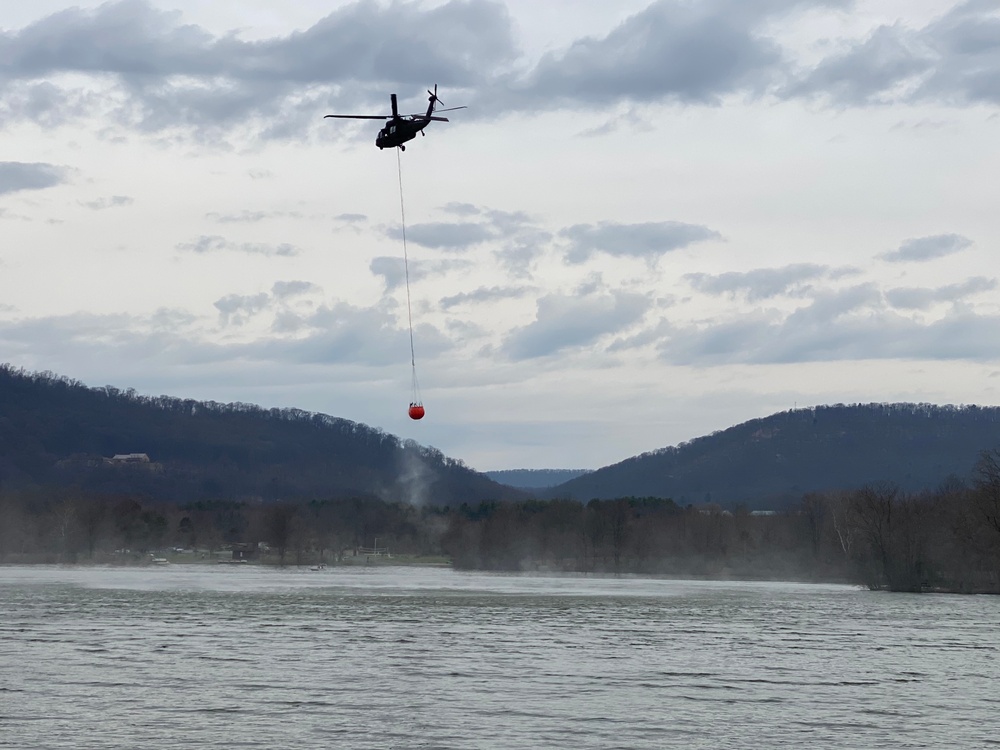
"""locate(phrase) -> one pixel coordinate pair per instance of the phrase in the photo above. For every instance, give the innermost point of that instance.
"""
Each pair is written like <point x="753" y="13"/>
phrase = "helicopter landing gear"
<point x="402" y="148"/>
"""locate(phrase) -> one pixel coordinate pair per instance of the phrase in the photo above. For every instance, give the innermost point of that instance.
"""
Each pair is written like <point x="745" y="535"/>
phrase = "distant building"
<point x="129" y="458"/>
<point x="245" y="551"/>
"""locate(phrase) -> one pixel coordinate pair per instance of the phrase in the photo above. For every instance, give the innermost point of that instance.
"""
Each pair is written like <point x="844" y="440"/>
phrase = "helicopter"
<point x="402" y="128"/>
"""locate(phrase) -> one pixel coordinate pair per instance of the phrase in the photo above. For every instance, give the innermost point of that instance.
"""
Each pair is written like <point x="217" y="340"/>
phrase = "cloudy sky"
<point x="656" y="219"/>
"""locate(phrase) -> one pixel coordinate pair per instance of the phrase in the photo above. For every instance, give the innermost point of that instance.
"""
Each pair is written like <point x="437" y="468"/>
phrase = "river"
<point x="193" y="656"/>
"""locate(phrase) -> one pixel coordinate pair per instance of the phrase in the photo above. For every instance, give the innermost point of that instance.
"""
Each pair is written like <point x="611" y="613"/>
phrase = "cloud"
<point x="764" y="283"/>
<point x="914" y="298"/>
<point x="393" y="269"/>
<point x="345" y="334"/>
<point x="955" y="59"/>
<point x="451" y="237"/>
<point x="648" y="240"/>
<point x="16" y="176"/>
<point x="845" y="325"/>
<point x="516" y="256"/>
<point x="158" y="72"/>
<point x="84" y="338"/>
<point x="214" y="243"/>
<point x="236" y="309"/>
<point x="351" y="218"/>
<point x="131" y="66"/>
<point x="927" y="248"/>
<point x="967" y="43"/>
<point x="251" y="217"/>
<point x="671" y="51"/>
<point x="287" y="289"/>
<point x="114" y="201"/>
<point x="336" y="335"/>
<point x="869" y="71"/>
<point x="573" y="321"/>
<point x="520" y="240"/>
<point x="483" y="295"/>
<point x="459" y="236"/>
<point x="461" y="209"/>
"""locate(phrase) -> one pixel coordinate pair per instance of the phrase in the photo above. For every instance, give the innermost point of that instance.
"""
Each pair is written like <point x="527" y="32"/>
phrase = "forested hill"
<point x="766" y="463"/>
<point x="58" y="432"/>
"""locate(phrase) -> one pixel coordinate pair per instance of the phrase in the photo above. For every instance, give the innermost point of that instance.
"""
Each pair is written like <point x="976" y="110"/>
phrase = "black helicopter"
<point x="402" y="128"/>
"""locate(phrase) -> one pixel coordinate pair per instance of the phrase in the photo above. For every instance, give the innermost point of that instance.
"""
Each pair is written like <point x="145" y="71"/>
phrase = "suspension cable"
<point x="406" y="272"/>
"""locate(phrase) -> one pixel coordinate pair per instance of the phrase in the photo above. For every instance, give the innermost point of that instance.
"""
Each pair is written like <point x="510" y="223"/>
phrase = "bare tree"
<point x="872" y="511"/>
<point x="987" y="487"/>
<point x="278" y="525"/>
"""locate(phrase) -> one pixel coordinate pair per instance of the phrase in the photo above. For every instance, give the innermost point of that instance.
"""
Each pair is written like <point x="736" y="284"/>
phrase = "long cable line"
<point x="415" y="402"/>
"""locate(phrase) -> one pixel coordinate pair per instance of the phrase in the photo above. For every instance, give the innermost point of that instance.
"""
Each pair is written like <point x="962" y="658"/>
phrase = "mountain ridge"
<point x="774" y="460"/>
<point x="57" y="431"/>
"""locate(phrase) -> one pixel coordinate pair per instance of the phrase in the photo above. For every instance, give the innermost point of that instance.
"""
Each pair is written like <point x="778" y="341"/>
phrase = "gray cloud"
<point x="85" y="338"/>
<point x="461" y="209"/>
<point x="922" y="298"/>
<point x="343" y="333"/>
<point x="393" y="269"/>
<point x="868" y="71"/>
<point x="337" y="335"/>
<point x="16" y="176"/>
<point x="214" y="243"/>
<point x="252" y="217"/>
<point x="687" y="52"/>
<point x="967" y="43"/>
<point x="572" y="321"/>
<point x="648" y="240"/>
<point x="953" y="60"/>
<point x="115" y="201"/>
<point x="169" y="74"/>
<point x="163" y="74"/>
<point x="452" y="237"/>
<point x="764" y="283"/>
<point x="351" y="218"/>
<point x="286" y="289"/>
<point x="927" y="248"/>
<point x="459" y="236"/>
<point x="160" y="75"/>
<point x="236" y="309"/>
<point x="851" y="324"/>
<point x="883" y="336"/>
<point x="517" y="254"/>
<point x="484" y="294"/>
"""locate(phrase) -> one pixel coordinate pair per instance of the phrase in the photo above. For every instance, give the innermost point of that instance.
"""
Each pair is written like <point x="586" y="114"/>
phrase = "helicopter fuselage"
<point x="398" y="131"/>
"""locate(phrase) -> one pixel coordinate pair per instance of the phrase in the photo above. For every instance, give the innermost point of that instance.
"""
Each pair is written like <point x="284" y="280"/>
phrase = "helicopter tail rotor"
<point x="434" y="96"/>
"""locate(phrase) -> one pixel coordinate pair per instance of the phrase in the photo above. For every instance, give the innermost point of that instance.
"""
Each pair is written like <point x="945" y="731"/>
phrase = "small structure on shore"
<point x="129" y="458"/>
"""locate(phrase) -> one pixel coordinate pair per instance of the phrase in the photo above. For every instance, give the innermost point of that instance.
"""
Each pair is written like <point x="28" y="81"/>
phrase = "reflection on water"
<point x="248" y="657"/>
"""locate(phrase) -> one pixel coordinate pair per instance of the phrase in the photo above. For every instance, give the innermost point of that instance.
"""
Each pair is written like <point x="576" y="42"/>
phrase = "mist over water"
<point x="250" y="657"/>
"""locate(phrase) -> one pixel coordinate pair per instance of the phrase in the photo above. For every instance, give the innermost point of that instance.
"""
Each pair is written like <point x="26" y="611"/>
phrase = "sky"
<point x="654" y="220"/>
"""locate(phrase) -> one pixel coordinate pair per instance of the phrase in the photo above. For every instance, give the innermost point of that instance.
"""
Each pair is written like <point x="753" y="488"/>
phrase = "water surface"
<point x="252" y="657"/>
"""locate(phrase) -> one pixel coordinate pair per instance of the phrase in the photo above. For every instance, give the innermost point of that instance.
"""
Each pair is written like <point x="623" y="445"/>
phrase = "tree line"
<point x="876" y="535"/>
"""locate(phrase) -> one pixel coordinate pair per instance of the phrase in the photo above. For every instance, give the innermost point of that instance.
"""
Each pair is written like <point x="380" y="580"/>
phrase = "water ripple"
<point x="408" y="658"/>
